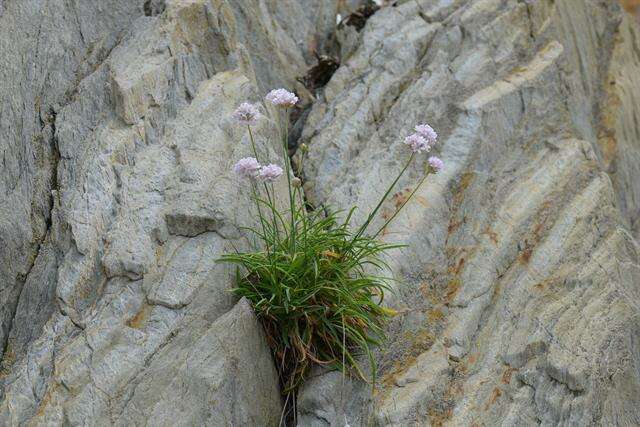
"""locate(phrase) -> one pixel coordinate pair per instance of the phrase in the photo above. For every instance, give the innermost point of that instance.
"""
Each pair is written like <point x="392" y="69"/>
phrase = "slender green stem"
<point x="373" y="213"/>
<point x="255" y="198"/>
<point x="303" y="206"/>
<point x="266" y="189"/>
<point x="387" y="222"/>
<point x="285" y="156"/>
<point x="253" y="144"/>
<point x="255" y="153"/>
<point x="271" y="197"/>
<point x="303" y="209"/>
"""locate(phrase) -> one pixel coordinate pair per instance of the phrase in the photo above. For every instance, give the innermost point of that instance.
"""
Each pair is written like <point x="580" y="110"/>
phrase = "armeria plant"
<point x="314" y="281"/>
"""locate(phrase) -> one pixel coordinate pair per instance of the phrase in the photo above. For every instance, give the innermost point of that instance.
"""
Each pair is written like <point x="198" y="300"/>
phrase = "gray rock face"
<point x="117" y="146"/>
<point x="39" y="70"/>
<point x="228" y="370"/>
<point x="521" y="280"/>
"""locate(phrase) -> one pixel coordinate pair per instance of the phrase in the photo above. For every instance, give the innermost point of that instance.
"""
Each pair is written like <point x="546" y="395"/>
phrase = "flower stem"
<point x="285" y="155"/>
<point x="271" y="197"/>
<point x="401" y="206"/>
<point x="373" y="213"/>
<point x="266" y="189"/>
<point x="303" y="206"/>
<point x="253" y="144"/>
<point x="262" y="221"/>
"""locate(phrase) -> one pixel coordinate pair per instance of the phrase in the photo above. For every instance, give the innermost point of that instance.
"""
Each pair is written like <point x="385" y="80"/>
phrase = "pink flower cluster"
<point x="435" y="163"/>
<point x="246" y="114"/>
<point x="424" y="139"/>
<point x="427" y="132"/>
<point x="270" y="172"/>
<point x="416" y="143"/>
<point x="249" y="167"/>
<point x="282" y="98"/>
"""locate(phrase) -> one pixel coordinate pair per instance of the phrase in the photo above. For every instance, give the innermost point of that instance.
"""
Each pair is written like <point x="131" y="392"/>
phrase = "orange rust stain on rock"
<point x="46" y="399"/>
<point x="465" y="181"/>
<point x="452" y="289"/>
<point x="386" y="214"/>
<point x="439" y="418"/>
<point x="140" y="319"/>
<point x="458" y="196"/>
<point x="454" y="225"/>
<point x="425" y="291"/>
<point x="460" y="370"/>
<point x="421" y="341"/>
<point x="399" y="367"/>
<point x="473" y="357"/>
<point x="457" y="268"/>
<point x="430" y="293"/>
<point x="537" y="230"/>
<point x="495" y="395"/>
<point x="435" y="315"/>
<point x="631" y="6"/>
<point x="451" y="251"/>
<point x="609" y="145"/>
<point x="525" y="254"/>
<point x="607" y="139"/>
<point x="492" y="235"/>
<point x="421" y="200"/>
<point x="541" y="286"/>
<point x="401" y="197"/>
<point x="506" y="375"/>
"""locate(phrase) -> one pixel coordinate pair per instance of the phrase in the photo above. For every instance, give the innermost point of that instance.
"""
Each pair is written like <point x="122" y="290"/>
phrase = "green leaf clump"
<point x="314" y="280"/>
<point x="318" y="301"/>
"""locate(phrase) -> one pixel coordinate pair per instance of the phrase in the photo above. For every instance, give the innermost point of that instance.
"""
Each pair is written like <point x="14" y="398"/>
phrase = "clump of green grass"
<point x="315" y="282"/>
<point x="317" y="301"/>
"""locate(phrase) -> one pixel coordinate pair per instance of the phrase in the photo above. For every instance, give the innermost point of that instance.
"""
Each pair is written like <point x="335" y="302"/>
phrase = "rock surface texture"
<point x="520" y="285"/>
<point x="117" y="146"/>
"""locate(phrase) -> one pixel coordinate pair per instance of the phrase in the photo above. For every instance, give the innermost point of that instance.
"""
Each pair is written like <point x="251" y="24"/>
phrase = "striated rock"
<point x="208" y="379"/>
<point x="118" y="147"/>
<point x="44" y="53"/>
<point x="521" y="277"/>
<point x="519" y="285"/>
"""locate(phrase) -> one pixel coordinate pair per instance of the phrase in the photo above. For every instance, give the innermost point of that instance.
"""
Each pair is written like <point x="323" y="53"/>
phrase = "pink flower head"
<point x="246" y="114"/>
<point x="427" y="133"/>
<point x="435" y="163"/>
<point x="270" y="172"/>
<point x="282" y="98"/>
<point x="247" y="167"/>
<point x="416" y="143"/>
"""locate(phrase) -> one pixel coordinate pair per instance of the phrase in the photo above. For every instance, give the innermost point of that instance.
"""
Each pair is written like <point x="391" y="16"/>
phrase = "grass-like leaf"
<point x="314" y="281"/>
<point x="317" y="303"/>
